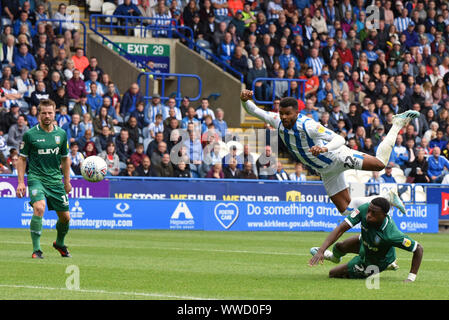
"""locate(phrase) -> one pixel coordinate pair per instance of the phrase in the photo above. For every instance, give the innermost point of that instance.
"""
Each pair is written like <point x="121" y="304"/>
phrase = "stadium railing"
<point x="162" y="28"/>
<point x="129" y="23"/>
<point x="301" y="88"/>
<point x="60" y="28"/>
<point x="164" y="77"/>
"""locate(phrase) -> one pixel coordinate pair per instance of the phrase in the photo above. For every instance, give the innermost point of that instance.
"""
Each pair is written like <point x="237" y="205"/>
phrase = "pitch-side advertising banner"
<point x="208" y="215"/>
<point x="80" y="188"/>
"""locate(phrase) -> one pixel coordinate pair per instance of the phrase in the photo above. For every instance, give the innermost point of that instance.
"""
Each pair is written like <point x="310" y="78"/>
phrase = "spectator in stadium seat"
<point x="437" y="166"/>
<point x="262" y="88"/>
<point x="219" y="122"/>
<point x="165" y="168"/>
<point x="439" y="141"/>
<point x="111" y="158"/>
<point x="24" y="59"/>
<point x="112" y="93"/>
<point x="309" y="110"/>
<point x="315" y="62"/>
<point x="299" y="174"/>
<point x="194" y="150"/>
<point x="239" y="61"/>
<point x="190" y="119"/>
<point x="74" y="129"/>
<point x="76" y="158"/>
<point x="16" y="132"/>
<point x="129" y="171"/>
<point x="221" y="11"/>
<point x="266" y="165"/>
<point x="387" y="176"/>
<point x="93" y="66"/>
<point x="130" y="100"/>
<point x="215" y="172"/>
<point x="372" y="187"/>
<point x="23" y="19"/>
<point x="419" y="169"/>
<point x="125" y="146"/>
<point x="286" y="57"/>
<point x="181" y="170"/>
<point x="138" y="156"/>
<point x="139" y="114"/>
<point x="59" y="44"/>
<point x="226" y="48"/>
<point x="94" y="99"/>
<point x="156" y="155"/>
<point x="101" y="120"/>
<point x="107" y="103"/>
<point x="102" y="140"/>
<point x="281" y="174"/>
<point x="153" y="108"/>
<point x="81" y="62"/>
<point x="204" y="110"/>
<point x="76" y="87"/>
<point x="133" y="129"/>
<point x="146" y="169"/>
<point x="167" y="113"/>
<point x="82" y="107"/>
<point x="39" y="94"/>
<point x="247" y="172"/>
<point x="153" y="145"/>
<point x="89" y="149"/>
<point x="231" y="171"/>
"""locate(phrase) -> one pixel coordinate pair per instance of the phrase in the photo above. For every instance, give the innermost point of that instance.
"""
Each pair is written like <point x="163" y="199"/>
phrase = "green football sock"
<point x="62" y="229"/>
<point x="36" y="231"/>
<point x="337" y="253"/>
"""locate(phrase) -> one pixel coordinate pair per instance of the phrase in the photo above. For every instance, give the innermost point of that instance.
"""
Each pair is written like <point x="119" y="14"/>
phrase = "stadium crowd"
<point x="358" y="73"/>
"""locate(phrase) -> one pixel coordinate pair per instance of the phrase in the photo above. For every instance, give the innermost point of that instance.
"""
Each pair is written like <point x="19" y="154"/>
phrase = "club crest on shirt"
<point x="57" y="139"/>
<point x="377" y="240"/>
<point x="406" y="243"/>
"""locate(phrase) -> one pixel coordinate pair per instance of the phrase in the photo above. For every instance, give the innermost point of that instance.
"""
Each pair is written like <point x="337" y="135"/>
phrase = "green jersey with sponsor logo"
<point x="377" y="246"/>
<point x="44" y="151"/>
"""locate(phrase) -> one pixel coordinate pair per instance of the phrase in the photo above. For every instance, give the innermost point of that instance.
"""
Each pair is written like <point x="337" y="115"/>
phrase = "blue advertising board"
<point x="208" y="215"/>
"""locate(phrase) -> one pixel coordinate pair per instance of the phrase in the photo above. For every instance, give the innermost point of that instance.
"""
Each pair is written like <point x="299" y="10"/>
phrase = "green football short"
<point x="358" y="268"/>
<point x="55" y="194"/>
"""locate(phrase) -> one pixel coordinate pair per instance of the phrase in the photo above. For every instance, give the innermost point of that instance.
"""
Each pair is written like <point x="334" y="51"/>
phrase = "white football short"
<point x="333" y="176"/>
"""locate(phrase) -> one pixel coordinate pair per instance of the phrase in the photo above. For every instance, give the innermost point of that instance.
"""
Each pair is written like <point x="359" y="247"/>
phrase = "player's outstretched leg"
<point x="386" y="146"/>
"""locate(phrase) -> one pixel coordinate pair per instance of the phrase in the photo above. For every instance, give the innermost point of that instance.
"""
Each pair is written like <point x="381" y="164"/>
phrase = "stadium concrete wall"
<point x="181" y="60"/>
<point x="121" y="71"/>
<point x="214" y="80"/>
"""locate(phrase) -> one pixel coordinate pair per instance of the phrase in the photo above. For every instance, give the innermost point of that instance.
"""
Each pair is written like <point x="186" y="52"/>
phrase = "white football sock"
<point x="386" y="146"/>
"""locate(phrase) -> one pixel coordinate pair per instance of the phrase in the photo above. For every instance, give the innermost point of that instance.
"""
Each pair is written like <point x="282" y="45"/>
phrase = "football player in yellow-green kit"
<point x="45" y="146"/>
<point x="375" y="245"/>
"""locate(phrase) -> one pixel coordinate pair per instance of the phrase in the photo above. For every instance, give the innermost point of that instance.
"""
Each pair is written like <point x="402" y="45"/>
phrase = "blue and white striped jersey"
<point x="305" y="134"/>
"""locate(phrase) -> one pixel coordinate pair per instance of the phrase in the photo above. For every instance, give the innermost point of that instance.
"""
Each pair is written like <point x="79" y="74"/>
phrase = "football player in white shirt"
<point x="312" y="144"/>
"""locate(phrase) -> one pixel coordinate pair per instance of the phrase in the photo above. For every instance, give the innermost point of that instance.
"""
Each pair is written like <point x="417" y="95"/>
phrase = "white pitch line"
<point x="211" y="250"/>
<point x="142" y="294"/>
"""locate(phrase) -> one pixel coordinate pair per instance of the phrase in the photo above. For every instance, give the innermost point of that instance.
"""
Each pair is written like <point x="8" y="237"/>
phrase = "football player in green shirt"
<point x="45" y="146"/>
<point x="375" y="245"/>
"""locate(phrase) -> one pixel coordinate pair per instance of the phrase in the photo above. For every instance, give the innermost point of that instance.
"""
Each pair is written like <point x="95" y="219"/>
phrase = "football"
<point x="94" y="169"/>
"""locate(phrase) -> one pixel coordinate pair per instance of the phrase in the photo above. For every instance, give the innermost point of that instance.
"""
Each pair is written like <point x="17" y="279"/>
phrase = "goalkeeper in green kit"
<point x="46" y="148"/>
<point x="375" y="245"/>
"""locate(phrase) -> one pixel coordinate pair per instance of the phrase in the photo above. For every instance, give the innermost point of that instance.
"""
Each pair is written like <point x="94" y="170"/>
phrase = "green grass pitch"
<point x="202" y="265"/>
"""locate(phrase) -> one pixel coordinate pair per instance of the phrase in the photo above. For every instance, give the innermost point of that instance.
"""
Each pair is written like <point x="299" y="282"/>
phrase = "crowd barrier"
<point x="209" y="215"/>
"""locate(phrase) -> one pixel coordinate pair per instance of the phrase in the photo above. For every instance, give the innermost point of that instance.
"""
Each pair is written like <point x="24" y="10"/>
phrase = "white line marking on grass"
<point x="210" y="250"/>
<point x="141" y="294"/>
